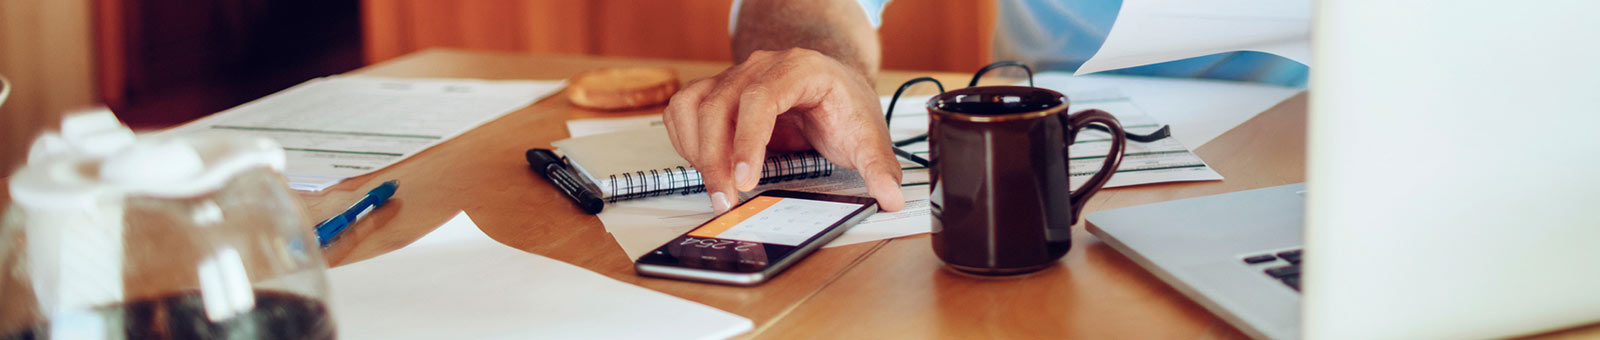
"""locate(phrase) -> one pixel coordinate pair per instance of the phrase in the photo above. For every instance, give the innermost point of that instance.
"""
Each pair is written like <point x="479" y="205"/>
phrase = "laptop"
<point x="1453" y="185"/>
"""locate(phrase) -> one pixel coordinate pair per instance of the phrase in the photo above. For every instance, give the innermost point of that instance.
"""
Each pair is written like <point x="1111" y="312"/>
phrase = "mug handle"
<point x="1077" y="121"/>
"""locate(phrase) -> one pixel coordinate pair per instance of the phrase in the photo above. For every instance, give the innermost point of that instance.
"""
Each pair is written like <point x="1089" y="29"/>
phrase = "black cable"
<point x="1164" y="132"/>
<point x="999" y="64"/>
<point x="888" y="114"/>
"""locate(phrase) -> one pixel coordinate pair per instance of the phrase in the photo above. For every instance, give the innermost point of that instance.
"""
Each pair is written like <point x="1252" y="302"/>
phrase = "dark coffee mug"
<point x="1001" y="203"/>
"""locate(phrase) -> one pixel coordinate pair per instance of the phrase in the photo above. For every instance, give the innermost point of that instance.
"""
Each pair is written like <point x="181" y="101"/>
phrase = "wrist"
<point x="835" y="28"/>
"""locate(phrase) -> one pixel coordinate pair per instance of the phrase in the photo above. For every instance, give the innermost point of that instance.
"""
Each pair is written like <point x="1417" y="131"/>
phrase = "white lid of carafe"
<point x="74" y="191"/>
<point x="96" y="157"/>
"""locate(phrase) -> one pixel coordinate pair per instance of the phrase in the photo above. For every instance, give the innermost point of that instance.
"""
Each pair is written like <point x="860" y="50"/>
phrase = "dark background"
<point x="184" y="59"/>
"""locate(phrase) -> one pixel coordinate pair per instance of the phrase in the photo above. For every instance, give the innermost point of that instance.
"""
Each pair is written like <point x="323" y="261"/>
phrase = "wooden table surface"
<point x="893" y="288"/>
<point x="885" y="289"/>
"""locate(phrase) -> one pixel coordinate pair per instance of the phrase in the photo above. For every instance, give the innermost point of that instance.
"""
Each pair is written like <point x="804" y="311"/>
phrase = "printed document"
<point x="643" y="224"/>
<point x="1165" y="160"/>
<point x="345" y="126"/>
<point x="1199" y="110"/>
<point x="457" y="283"/>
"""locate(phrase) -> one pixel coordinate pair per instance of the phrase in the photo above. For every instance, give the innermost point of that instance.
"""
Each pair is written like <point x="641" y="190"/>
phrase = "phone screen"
<point x="754" y="234"/>
<point x="776" y="220"/>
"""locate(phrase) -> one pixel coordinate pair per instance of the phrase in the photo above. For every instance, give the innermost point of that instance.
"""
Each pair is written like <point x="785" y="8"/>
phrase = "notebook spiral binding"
<point x="682" y="181"/>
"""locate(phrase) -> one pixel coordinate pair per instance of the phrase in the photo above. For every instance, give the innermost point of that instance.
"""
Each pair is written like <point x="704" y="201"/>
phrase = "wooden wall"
<point x="165" y="62"/>
<point x="917" y="34"/>
<point x="159" y="62"/>
<point x="45" y="49"/>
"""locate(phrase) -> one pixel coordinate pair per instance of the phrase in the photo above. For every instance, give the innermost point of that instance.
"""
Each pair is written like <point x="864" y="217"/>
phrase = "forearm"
<point x="837" y="28"/>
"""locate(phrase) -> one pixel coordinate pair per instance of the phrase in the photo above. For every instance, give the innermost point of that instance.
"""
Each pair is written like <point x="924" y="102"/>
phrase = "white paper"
<point x="1154" y="31"/>
<point x="641" y="225"/>
<point x="345" y="126"/>
<point x="457" y="283"/>
<point x="1165" y="160"/>
<point x="594" y="126"/>
<point x="1199" y="110"/>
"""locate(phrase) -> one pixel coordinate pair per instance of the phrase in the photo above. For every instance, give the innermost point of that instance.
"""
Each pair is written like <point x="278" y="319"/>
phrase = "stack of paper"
<point x="457" y="283"/>
<point x="340" y="127"/>
<point x="1201" y="109"/>
<point x="640" y="225"/>
<point x="1165" y="160"/>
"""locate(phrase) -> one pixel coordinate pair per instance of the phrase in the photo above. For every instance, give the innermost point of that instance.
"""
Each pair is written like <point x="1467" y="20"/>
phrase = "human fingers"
<point x="844" y="123"/>
<point x="758" y="115"/>
<point x="680" y="115"/>
<point x="716" y="116"/>
<point x="843" y="111"/>
<point x="797" y="79"/>
<point x="881" y="172"/>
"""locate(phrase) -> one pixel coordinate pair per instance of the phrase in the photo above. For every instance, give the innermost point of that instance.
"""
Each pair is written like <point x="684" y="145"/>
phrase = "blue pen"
<point x="329" y="230"/>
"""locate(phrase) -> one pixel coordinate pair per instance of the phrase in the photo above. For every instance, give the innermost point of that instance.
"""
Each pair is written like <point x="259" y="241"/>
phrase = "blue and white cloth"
<point x="1062" y="34"/>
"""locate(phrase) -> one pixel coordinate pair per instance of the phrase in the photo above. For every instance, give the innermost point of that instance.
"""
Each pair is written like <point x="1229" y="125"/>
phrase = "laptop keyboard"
<point x="1283" y="266"/>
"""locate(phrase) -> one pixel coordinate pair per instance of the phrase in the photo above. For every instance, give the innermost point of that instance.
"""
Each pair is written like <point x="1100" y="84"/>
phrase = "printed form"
<point x="1165" y="160"/>
<point x="346" y="126"/>
<point x="641" y="225"/>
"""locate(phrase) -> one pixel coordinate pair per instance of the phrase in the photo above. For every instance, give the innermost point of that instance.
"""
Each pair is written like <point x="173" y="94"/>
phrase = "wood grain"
<point x="954" y="36"/>
<point x="1093" y="292"/>
<point x="919" y="35"/>
<point x="47" y="50"/>
<point x="483" y="173"/>
<point x="900" y="290"/>
<point x="885" y="289"/>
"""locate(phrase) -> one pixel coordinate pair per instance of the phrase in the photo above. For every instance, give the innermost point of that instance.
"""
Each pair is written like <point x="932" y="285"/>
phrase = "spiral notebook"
<point x="642" y="163"/>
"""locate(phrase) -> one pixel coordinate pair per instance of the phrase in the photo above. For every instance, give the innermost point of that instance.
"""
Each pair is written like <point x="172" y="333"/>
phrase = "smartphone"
<point x="758" y="239"/>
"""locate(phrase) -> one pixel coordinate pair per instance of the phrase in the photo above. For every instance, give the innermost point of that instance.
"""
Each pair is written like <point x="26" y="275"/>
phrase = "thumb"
<point x="882" y="174"/>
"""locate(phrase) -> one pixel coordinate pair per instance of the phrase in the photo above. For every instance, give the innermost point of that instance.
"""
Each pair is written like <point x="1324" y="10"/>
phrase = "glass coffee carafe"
<point x="115" y="236"/>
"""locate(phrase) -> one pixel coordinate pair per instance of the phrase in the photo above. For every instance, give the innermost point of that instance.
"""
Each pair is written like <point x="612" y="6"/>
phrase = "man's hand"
<point x="785" y="101"/>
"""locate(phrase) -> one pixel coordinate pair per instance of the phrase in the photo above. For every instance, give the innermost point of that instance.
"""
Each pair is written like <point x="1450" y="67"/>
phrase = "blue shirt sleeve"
<point x="874" y="10"/>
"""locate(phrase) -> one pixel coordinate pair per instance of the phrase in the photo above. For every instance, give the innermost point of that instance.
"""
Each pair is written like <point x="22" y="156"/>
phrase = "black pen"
<point x="548" y="164"/>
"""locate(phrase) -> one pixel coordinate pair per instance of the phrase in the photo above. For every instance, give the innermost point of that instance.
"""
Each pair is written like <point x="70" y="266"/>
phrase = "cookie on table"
<point x="622" y="88"/>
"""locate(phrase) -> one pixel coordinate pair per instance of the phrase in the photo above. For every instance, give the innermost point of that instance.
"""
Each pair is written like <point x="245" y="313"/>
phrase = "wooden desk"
<point x="893" y="288"/>
<point x="886" y="289"/>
